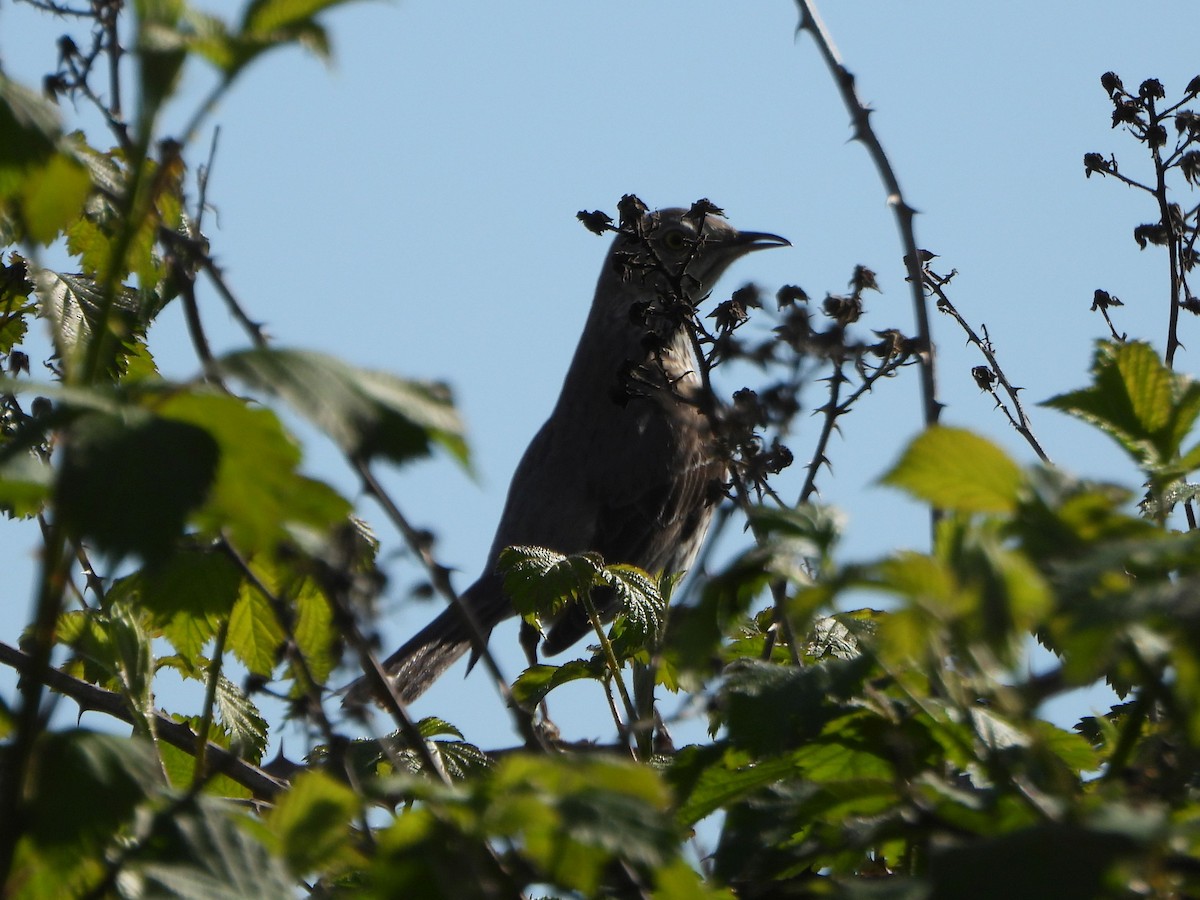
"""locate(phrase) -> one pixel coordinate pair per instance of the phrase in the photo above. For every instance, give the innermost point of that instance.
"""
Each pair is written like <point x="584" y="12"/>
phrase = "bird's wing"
<point x="651" y="502"/>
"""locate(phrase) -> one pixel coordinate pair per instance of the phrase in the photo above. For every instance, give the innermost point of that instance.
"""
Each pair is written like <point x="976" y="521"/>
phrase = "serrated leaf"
<point x="460" y="759"/>
<point x="540" y="581"/>
<point x="204" y="853"/>
<point x="1069" y="746"/>
<point x="77" y="307"/>
<point x="14" y="320"/>
<point x="314" y="631"/>
<point x="368" y="414"/>
<point x="771" y="709"/>
<point x="432" y="726"/>
<point x="532" y="685"/>
<point x="255" y="634"/>
<point x="954" y="469"/>
<point x="247" y="728"/>
<point x="1139" y="402"/>
<point x="642" y="604"/>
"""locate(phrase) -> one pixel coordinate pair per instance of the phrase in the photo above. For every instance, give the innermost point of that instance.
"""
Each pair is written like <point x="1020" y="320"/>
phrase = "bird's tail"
<point x="422" y="659"/>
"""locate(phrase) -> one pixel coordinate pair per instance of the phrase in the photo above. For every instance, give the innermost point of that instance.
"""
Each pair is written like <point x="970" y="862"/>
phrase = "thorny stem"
<point x="863" y="132"/>
<point x="303" y="673"/>
<point x="440" y="580"/>
<point x="1016" y="416"/>
<point x="91" y="698"/>
<point x="610" y="658"/>
<point x="832" y="410"/>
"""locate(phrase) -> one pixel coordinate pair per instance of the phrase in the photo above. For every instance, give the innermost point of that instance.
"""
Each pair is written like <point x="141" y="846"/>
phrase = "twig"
<point x="1020" y="422"/>
<point x="624" y="728"/>
<point x="832" y="411"/>
<point x="89" y="697"/>
<point x="303" y="672"/>
<point x="441" y="583"/>
<point x="863" y="132"/>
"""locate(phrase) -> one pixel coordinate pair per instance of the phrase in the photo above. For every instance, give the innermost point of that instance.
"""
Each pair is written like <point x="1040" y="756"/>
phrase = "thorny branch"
<point x="987" y="377"/>
<point x="860" y="114"/>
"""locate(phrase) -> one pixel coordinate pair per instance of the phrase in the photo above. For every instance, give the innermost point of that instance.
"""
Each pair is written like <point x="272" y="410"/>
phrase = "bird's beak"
<point x="759" y="240"/>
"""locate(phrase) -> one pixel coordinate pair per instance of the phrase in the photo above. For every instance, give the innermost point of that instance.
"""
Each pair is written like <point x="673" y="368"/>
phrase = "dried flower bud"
<point x="596" y="221"/>
<point x="1093" y="162"/>
<point x="789" y="294"/>
<point x="701" y="208"/>
<point x="984" y="377"/>
<point x="1152" y="89"/>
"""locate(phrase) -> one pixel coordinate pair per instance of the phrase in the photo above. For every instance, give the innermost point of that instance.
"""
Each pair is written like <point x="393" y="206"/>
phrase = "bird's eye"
<point x="674" y="240"/>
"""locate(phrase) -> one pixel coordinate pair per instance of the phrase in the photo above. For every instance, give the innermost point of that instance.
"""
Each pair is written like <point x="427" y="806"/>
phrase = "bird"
<point x="624" y="466"/>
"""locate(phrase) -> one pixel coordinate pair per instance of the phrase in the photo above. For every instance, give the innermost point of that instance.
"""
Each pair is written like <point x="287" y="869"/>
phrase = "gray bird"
<point x="624" y="466"/>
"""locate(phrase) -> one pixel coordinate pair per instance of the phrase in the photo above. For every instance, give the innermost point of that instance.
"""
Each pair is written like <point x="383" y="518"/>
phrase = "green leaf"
<point x="715" y="778"/>
<point x="86" y="786"/>
<point x="532" y="685"/>
<point x="258" y="494"/>
<point x="206" y="852"/>
<point x="573" y="816"/>
<point x="193" y="582"/>
<point x="954" y="469"/>
<point x="77" y="309"/>
<point x="53" y="197"/>
<point x="770" y="709"/>
<point x="14" y="310"/>
<point x="161" y="53"/>
<point x="312" y="821"/>
<point x="268" y="16"/>
<point x="1134" y="398"/>
<point x="30" y="125"/>
<point x="460" y="759"/>
<point x="679" y="881"/>
<point x="368" y="414"/>
<point x="1072" y="748"/>
<point x="541" y="582"/>
<point x="255" y="634"/>
<point x="180" y="767"/>
<point x="25" y="484"/>
<point x="247" y="728"/>
<point x="642" y="605"/>
<point x="277" y="22"/>
<point x="314" y="631"/>
<point x="128" y="483"/>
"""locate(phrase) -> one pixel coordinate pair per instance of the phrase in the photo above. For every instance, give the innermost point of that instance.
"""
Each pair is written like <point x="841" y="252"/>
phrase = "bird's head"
<point x="699" y="244"/>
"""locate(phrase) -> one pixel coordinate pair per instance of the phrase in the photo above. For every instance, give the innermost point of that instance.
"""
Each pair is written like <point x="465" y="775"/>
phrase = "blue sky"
<point x="412" y="209"/>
